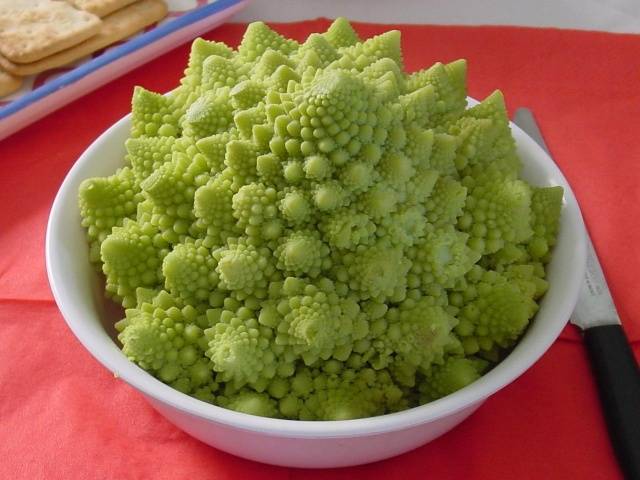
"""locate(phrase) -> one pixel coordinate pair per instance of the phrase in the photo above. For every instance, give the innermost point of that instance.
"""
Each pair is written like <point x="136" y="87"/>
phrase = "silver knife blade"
<point x="595" y="305"/>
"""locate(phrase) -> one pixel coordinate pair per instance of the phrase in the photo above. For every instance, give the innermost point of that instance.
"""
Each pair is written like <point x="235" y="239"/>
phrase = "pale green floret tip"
<point x="357" y="176"/>
<point x="305" y="231"/>
<point x="442" y="257"/>
<point x="242" y="267"/>
<point x="546" y="205"/>
<point x="132" y="257"/>
<point x="404" y="227"/>
<point x="240" y="351"/>
<point x="346" y="395"/>
<point x="377" y="271"/>
<point x="218" y="72"/>
<point x="316" y="52"/>
<point x="496" y="213"/>
<point x="208" y="115"/>
<point x="170" y="191"/>
<point x="246" y="94"/>
<point x="147" y="154"/>
<point x="295" y="207"/>
<point x="386" y="45"/>
<point x="259" y="38"/>
<point x="446" y="202"/>
<point x="497" y="313"/>
<point x="253" y="403"/>
<point x="153" y="115"/>
<point x="163" y="337"/>
<point x="380" y="201"/>
<point x="214" y="148"/>
<point x="105" y="203"/>
<point x="341" y="33"/>
<point x="347" y="229"/>
<point x="189" y="272"/>
<point x="303" y="253"/>
<point x="213" y="210"/>
<point x="246" y="120"/>
<point x="329" y="196"/>
<point x="254" y="204"/>
<point x="317" y="167"/>
<point x="454" y="374"/>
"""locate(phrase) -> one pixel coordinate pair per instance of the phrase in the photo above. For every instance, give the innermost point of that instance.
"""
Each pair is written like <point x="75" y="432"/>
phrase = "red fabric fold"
<point x="63" y="416"/>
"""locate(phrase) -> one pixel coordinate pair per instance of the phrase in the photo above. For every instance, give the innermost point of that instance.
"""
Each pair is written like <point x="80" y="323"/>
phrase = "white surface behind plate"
<point x="607" y="15"/>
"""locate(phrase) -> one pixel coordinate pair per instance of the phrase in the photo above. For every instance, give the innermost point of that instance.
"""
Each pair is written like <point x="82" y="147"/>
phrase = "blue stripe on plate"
<point x="114" y="54"/>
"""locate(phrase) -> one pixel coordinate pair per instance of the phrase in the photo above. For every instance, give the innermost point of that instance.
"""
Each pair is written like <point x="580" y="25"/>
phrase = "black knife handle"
<point x="618" y="379"/>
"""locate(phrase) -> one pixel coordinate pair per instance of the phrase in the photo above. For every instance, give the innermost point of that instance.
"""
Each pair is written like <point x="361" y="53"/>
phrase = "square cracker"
<point x="33" y="29"/>
<point x="119" y="25"/>
<point x="101" y="8"/>
<point x="9" y="83"/>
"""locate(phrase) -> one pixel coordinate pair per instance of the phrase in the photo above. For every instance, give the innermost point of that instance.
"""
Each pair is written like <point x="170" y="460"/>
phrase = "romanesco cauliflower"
<point x="305" y="231"/>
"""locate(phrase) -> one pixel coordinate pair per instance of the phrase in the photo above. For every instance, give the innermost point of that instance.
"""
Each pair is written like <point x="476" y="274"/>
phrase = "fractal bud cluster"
<point x="306" y="231"/>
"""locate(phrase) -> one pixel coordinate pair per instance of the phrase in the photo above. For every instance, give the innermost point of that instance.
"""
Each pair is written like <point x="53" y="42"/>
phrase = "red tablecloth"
<point x="64" y="416"/>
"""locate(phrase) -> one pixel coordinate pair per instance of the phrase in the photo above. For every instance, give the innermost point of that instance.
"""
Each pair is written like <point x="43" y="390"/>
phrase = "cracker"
<point x="117" y="26"/>
<point x="9" y="83"/>
<point x="34" y="29"/>
<point x="101" y="8"/>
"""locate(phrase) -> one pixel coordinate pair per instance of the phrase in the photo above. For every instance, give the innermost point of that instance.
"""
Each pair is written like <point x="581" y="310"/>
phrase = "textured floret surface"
<point x="306" y="231"/>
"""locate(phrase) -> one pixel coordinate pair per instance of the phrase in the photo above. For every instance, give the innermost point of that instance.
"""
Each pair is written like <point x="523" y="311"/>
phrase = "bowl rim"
<point x="505" y="372"/>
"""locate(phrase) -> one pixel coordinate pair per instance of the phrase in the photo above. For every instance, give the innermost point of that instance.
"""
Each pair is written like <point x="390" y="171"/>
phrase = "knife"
<point x="613" y="364"/>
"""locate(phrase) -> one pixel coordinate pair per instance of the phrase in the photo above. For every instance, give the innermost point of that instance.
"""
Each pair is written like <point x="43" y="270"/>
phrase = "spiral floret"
<point x="132" y="257"/>
<point x="170" y="191"/>
<point x="213" y="210"/>
<point x="189" y="272"/>
<point x="415" y="335"/>
<point x="105" y="203"/>
<point x="153" y="115"/>
<point x="497" y="213"/>
<point x="253" y="205"/>
<point x="165" y="338"/>
<point x="347" y="229"/>
<point x="303" y="253"/>
<point x="258" y="38"/>
<point x="241" y="349"/>
<point x="498" y="314"/>
<point x="208" y="115"/>
<point x="345" y="394"/>
<point x="147" y="154"/>
<point x="454" y="374"/>
<point x="317" y="322"/>
<point x="243" y="268"/>
<point x="546" y="204"/>
<point x="442" y="257"/>
<point x="378" y="271"/>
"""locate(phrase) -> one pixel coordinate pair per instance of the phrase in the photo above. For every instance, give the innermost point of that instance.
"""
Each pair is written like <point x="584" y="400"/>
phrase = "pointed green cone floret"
<point x="453" y="375"/>
<point x="449" y="85"/>
<point x="386" y="45"/>
<point x="148" y="154"/>
<point x="153" y="114"/>
<point x="105" y="203"/>
<point x="546" y="204"/>
<point x="341" y="33"/>
<point x="189" y="272"/>
<point x="132" y="257"/>
<point x="218" y="72"/>
<point x="210" y="114"/>
<point x="258" y="38"/>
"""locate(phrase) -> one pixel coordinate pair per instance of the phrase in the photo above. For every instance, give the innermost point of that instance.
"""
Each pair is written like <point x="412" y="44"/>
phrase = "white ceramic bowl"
<point x="78" y="291"/>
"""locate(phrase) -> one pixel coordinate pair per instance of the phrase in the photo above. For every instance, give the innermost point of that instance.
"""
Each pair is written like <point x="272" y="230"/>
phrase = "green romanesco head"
<point x="306" y="231"/>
